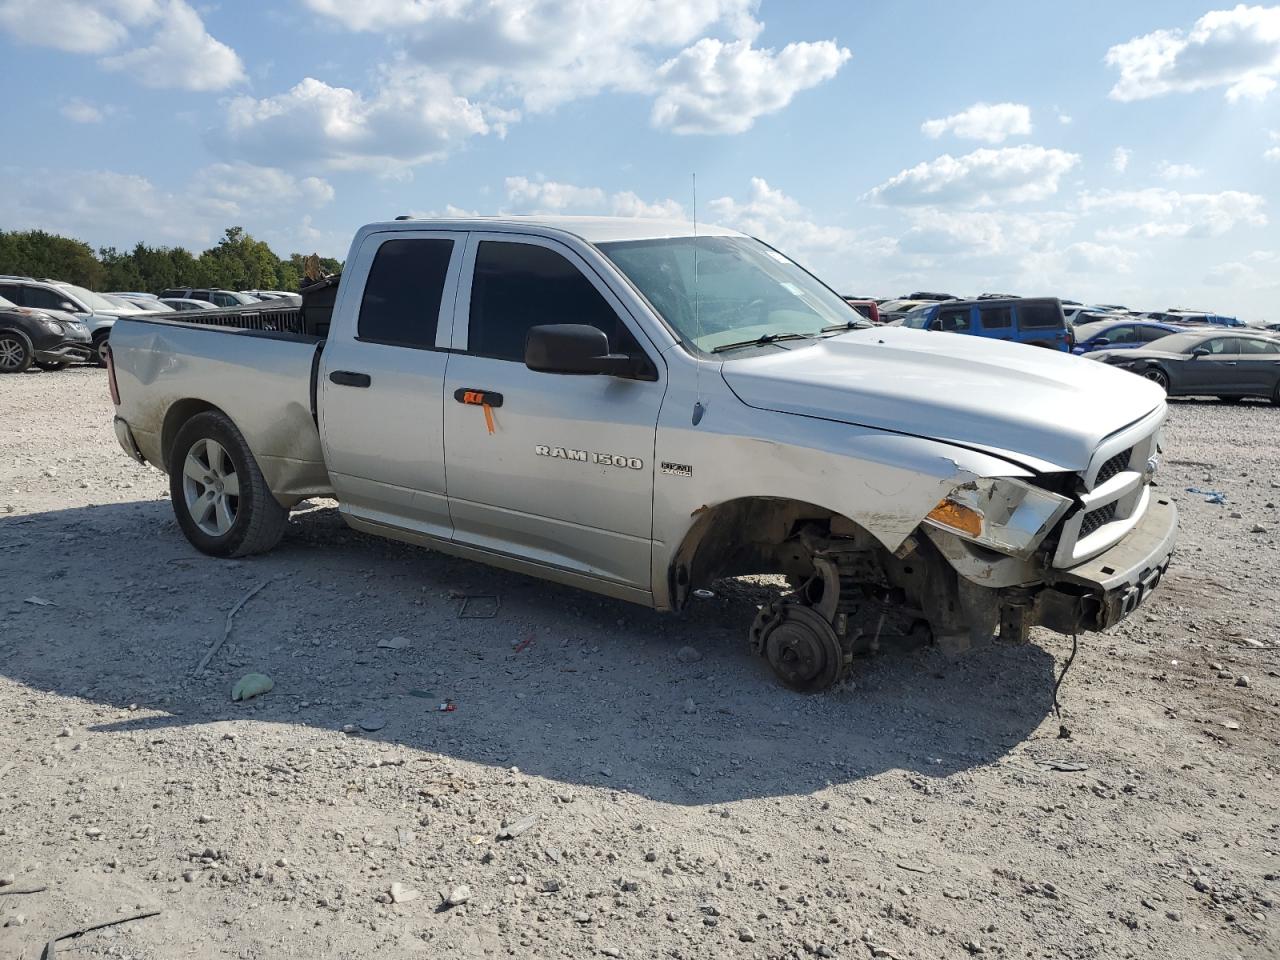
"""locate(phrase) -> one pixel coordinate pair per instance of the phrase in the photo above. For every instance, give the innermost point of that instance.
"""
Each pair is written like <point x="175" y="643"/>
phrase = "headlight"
<point x="50" y="324"/>
<point x="1005" y="515"/>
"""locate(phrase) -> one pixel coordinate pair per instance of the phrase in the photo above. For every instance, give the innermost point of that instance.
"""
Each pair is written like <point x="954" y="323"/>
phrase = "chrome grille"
<point x="1097" y="518"/>
<point x="1114" y="466"/>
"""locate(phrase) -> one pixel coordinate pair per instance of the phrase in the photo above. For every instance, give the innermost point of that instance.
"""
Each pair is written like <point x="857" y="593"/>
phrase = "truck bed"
<point x="264" y="380"/>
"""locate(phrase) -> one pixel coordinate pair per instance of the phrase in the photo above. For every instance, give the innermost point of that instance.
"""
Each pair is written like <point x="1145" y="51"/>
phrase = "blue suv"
<point x="1034" y="320"/>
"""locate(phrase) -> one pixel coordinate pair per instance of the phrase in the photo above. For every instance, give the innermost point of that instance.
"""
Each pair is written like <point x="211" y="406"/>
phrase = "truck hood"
<point x="1044" y="409"/>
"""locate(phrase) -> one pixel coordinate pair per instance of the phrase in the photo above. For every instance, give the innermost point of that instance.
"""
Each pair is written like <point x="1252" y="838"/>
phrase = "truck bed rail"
<point x="246" y="317"/>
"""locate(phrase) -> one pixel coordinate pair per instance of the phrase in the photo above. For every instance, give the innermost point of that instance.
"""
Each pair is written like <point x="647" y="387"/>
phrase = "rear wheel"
<point x="220" y="498"/>
<point x="15" y="352"/>
<point x="1158" y="377"/>
<point x="99" y="348"/>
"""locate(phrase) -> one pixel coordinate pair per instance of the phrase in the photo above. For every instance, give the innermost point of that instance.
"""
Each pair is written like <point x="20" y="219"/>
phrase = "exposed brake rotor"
<point x="801" y="646"/>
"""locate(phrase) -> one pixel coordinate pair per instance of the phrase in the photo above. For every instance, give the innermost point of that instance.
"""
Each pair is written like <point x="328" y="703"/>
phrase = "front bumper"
<point x="68" y="351"/>
<point x="1102" y="591"/>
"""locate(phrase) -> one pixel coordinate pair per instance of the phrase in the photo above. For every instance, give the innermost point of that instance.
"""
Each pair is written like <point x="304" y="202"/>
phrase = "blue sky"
<point x="1125" y="152"/>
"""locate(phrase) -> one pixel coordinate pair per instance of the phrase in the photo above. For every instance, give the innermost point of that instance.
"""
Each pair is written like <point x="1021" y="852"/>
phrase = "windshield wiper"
<point x="761" y="340"/>
<point x="847" y="325"/>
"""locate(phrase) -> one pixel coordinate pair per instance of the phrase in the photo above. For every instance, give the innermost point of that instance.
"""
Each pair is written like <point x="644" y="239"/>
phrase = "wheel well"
<point x="753" y="535"/>
<point x="175" y="418"/>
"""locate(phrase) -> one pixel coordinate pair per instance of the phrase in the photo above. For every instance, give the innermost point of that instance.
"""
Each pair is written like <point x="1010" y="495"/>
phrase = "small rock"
<point x="93" y="833"/>
<point x="395" y="643"/>
<point x="17" y="920"/>
<point x="549" y="885"/>
<point x="690" y="706"/>
<point x="747" y="935"/>
<point x="373" y="722"/>
<point x="825" y="951"/>
<point x="457" y="896"/>
<point x="188" y="875"/>
<point x="650" y="857"/>
<point x="517" y="827"/>
<point x="1242" y="681"/>
<point x="611" y="951"/>
<point x="688" y="654"/>
<point x="7" y="880"/>
<point x="629" y="886"/>
<point x="64" y="732"/>
<point x="1258" y="528"/>
<point x="581" y="917"/>
<point x="1174" y="915"/>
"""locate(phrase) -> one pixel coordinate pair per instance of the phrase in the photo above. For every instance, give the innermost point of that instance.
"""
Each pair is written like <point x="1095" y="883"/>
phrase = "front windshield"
<point x="95" y="301"/>
<point x="745" y="291"/>
<point x="917" y="319"/>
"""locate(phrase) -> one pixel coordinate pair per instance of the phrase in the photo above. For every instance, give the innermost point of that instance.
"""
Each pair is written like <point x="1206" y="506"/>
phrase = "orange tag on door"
<point x="488" y="417"/>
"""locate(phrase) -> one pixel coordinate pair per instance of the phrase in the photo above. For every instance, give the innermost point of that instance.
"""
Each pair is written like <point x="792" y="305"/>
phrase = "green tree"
<point x="36" y="253"/>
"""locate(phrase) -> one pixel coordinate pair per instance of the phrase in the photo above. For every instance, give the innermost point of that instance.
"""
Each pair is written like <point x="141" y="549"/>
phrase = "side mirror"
<point x="1199" y="352"/>
<point x="1100" y="342"/>
<point x="575" y="348"/>
<point x="68" y="306"/>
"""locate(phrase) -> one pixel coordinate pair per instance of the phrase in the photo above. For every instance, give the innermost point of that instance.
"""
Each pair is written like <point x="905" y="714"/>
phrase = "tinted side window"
<point x="1125" y="334"/>
<point x="952" y="321"/>
<point x="401" y="303"/>
<point x="1148" y="334"/>
<point x="12" y="292"/>
<point x="1040" y="315"/>
<point x="995" y="318"/>
<point x="1219" y="345"/>
<point x="43" y="299"/>
<point x="521" y="285"/>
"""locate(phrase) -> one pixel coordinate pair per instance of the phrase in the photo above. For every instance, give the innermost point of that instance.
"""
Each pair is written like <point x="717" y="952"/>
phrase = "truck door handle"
<point x="476" y="397"/>
<point x="348" y="378"/>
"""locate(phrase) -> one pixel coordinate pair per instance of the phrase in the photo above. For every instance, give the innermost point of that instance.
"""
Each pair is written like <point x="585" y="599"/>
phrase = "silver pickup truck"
<point x="639" y="408"/>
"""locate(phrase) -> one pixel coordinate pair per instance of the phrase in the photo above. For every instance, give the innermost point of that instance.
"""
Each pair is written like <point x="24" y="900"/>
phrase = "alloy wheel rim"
<point x="210" y="487"/>
<point x="10" y="353"/>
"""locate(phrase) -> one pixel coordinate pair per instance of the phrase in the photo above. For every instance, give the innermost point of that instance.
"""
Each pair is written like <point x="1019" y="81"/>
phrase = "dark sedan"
<point x="1206" y="363"/>
<point x="32" y="336"/>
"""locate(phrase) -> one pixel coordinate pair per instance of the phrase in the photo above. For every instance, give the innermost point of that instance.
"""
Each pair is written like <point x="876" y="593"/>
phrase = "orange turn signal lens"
<point x="958" y="517"/>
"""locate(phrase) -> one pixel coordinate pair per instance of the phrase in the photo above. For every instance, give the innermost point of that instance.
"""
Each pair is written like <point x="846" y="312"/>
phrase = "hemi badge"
<point x="677" y="469"/>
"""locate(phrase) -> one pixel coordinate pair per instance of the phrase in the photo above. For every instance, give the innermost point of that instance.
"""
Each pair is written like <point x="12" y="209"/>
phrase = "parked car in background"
<point x="926" y="295"/>
<point x="868" y="308"/>
<point x="131" y="295"/>
<point x="35" y="337"/>
<point x="891" y="310"/>
<point x="1078" y="314"/>
<point x="1202" y="316"/>
<point x="274" y="295"/>
<point x="1037" y="321"/>
<point x="1206" y="363"/>
<point x="1119" y="334"/>
<point x="181" y="303"/>
<point x="148" y="306"/>
<point x="219" y="298"/>
<point x="92" y="309"/>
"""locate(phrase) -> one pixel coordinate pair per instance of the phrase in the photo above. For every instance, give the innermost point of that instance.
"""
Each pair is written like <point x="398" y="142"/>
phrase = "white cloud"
<point x="81" y="111"/>
<point x="781" y="221"/>
<point x="181" y="53"/>
<point x="1092" y="258"/>
<point x="975" y="233"/>
<point x="109" y="208"/>
<point x="76" y="26"/>
<point x="991" y="122"/>
<point x="1256" y="272"/>
<point x="1064" y="118"/>
<point x="413" y="117"/>
<point x="1273" y="153"/>
<point x="1238" y="49"/>
<point x="982" y="178"/>
<point x="170" y="46"/>
<point x="1177" y="171"/>
<point x="717" y="87"/>
<point x="550" y="197"/>
<point x="696" y="58"/>
<point x="1120" y="159"/>
<point x="1170" y="213"/>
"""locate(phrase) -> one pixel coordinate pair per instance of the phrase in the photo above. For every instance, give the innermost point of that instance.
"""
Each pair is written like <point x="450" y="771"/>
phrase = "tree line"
<point x="236" y="262"/>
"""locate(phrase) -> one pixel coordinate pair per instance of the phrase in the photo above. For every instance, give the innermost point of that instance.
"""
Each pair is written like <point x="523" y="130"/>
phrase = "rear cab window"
<point x="401" y="301"/>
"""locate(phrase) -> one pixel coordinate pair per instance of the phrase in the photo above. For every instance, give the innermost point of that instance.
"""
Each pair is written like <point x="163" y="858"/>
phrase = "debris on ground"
<point x="252" y="685"/>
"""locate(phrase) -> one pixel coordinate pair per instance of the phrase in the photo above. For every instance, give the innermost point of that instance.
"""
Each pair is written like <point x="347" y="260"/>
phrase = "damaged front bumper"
<point x="1101" y="592"/>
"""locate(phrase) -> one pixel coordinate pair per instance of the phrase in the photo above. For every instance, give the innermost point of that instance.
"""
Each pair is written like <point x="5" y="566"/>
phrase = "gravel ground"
<point x="685" y="806"/>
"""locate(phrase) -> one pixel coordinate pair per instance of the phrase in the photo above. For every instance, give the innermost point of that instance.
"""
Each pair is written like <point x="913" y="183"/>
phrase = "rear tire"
<point x="51" y="365"/>
<point x="100" y="341"/>
<point x="220" y="498"/>
<point x="16" y="352"/>
<point x="1158" y="377"/>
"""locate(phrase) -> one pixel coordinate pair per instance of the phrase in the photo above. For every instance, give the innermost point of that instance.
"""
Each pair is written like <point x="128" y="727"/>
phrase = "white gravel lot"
<point x="917" y="813"/>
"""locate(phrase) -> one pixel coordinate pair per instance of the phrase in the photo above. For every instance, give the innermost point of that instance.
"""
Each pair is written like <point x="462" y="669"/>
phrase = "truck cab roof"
<point x="591" y="229"/>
